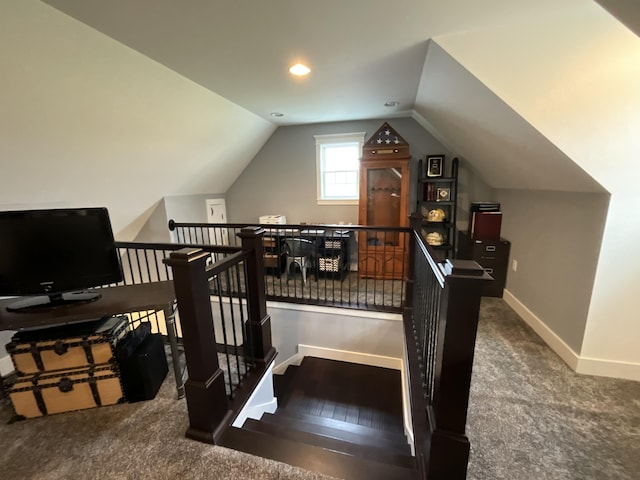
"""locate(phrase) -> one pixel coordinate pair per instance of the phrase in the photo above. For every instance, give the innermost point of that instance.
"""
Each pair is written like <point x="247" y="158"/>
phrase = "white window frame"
<point x="335" y="139"/>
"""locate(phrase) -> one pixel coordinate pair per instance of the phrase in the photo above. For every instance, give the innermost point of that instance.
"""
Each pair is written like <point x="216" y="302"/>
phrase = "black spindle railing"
<point x="319" y="264"/>
<point x="228" y="289"/>
<point x="219" y="384"/>
<point x="143" y="263"/>
<point x="440" y="327"/>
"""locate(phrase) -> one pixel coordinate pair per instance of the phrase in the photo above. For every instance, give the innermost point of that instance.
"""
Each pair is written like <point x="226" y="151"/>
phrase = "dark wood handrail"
<point x="226" y="263"/>
<point x="210" y="411"/>
<point x="426" y="251"/>
<point x="442" y="314"/>
<point x="178" y="246"/>
<point x="440" y="342"/>
<point x="173" y="225"/>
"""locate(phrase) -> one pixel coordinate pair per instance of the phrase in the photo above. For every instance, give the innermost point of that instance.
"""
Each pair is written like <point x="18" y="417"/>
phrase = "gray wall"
<point x="555" y="238"/>
<point x="281" y="179"/>
<point x="181" y="208"/>
<point x="471" y="188"/>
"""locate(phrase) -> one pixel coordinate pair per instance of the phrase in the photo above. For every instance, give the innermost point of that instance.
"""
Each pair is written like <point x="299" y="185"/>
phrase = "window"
<point x="338" y="167"/>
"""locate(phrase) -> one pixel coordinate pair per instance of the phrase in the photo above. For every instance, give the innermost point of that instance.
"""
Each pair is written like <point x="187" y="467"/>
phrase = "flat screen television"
<point x="53" y="257"/>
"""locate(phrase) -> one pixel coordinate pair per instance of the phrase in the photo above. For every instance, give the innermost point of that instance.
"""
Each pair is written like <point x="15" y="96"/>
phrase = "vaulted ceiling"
<point x="362" y="53"/>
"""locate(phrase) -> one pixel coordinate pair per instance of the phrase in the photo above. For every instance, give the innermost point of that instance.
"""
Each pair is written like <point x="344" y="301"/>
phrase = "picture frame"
<point x="443" y="194"/>
<point x="434" y="165"/>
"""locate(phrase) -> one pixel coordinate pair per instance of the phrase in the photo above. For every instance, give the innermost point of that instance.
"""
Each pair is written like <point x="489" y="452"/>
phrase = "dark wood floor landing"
<point x="333" y="417"/>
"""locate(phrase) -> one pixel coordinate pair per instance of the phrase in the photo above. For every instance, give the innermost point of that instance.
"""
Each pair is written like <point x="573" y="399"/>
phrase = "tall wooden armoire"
<point x="384" y="199"/>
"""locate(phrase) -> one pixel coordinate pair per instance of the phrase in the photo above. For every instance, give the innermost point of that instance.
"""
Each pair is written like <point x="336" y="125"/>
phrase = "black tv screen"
<point x="55" y="253"/>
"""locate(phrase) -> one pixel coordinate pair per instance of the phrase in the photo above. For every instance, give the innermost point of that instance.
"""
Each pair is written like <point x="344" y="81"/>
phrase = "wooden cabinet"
<point x="383" y="202"/>
<point x="379" y="262"/>
<point x="492" y="255"/>
<point x="437" y="203"/>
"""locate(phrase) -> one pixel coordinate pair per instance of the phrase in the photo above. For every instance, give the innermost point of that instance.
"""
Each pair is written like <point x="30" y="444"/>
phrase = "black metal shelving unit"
<point x="439" y="193"/>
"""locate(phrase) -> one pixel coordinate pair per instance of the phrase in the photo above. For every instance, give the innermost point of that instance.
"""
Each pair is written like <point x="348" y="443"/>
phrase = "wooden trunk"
<point x="66" y="347"/>
<point x="63" y="391"/>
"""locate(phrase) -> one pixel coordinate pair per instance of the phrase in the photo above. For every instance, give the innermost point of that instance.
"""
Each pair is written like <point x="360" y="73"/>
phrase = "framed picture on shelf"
<point x="434" y="165"/>
<point x="443" y="194"/>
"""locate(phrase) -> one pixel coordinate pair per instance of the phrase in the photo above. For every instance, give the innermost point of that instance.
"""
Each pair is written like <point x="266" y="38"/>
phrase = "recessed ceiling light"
<point x="392" y="103"/>
<point x="277" y="114"/>
<point x="299" y="69"/>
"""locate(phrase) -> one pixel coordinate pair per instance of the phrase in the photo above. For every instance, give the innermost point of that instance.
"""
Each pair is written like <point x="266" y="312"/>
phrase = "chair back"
<point x="299" y="247"/>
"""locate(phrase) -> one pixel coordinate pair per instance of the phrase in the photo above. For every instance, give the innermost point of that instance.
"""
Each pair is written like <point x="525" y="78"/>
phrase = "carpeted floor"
<point x="530" y="417"/>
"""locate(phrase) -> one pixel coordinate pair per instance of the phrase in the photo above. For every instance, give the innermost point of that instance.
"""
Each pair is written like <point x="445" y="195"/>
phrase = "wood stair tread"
<point x="313" y="458"/>
<point x="360" y="394"/>
<point x="339" y="429"/>
<point x="331" y="442"/>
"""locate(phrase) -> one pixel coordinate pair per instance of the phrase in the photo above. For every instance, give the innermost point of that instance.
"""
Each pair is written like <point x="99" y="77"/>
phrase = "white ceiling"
<point x="362" y="53"/>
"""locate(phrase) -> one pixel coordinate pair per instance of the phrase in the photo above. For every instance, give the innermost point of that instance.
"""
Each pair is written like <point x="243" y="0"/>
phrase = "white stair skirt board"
<point x="261" y="401"/>
<point x="361" y="359"/>
<point x="582" y="365"/>
<point x="342" y="355"/>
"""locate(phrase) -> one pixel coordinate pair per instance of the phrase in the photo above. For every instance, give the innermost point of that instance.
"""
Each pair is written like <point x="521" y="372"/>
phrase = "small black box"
<point x="485" y="207"/>
<point x="144" y="371"/>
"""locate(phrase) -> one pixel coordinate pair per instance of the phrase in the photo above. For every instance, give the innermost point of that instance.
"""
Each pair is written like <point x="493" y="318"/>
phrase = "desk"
<point x="114" y="301"/>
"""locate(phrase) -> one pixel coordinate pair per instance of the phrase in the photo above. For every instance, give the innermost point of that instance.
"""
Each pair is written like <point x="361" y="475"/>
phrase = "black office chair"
<point x="300" y="251"/>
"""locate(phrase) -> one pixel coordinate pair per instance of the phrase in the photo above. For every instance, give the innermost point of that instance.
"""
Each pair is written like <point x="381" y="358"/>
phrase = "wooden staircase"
<point x="337" y="418"/>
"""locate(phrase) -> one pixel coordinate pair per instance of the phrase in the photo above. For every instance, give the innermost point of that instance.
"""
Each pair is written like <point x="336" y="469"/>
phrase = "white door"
<point x="217" y="213"/>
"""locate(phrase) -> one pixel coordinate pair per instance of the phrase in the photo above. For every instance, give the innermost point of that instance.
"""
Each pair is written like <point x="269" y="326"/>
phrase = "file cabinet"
<point x="492" y="255"/>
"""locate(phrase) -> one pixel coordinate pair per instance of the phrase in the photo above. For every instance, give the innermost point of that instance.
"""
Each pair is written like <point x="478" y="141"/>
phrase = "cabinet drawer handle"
<point x="489" y="270"/>
<point x="490" y="248"/>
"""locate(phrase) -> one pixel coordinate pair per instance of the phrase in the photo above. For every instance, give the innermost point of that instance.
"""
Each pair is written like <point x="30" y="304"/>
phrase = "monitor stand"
<point x="54" y="300"/>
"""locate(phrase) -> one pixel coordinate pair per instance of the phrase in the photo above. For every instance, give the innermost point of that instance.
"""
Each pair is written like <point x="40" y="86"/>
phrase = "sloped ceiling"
<point x="86" y="121"/>
<point x="504" y="147"/>
<point x="627" y="11"/>
<point x="362" y="53"/>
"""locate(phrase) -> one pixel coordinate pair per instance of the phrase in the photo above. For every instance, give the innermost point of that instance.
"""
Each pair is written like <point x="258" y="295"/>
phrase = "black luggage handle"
<point x="65" y="385"/>
<point x="60" y="347"/>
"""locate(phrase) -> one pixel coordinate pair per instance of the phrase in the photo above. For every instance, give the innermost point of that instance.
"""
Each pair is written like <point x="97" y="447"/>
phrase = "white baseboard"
<point x="342" y="355"/>
<point x="583" y="365"/>
<point x="6" y="365"/>
<point x="609" y="368"/>
<point x="295" y="359"/>
<point x="351" y="357"/>
<point x="549" y="336"/>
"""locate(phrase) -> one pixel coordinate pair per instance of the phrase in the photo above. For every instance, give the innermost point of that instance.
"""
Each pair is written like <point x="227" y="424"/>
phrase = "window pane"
<point x="338" y="161"/>
<point x="335" y="186"/>
<point x="342" y="157"/>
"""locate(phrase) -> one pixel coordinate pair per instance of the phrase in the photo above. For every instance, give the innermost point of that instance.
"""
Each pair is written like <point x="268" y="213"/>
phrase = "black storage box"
<point x="143" y="372"/>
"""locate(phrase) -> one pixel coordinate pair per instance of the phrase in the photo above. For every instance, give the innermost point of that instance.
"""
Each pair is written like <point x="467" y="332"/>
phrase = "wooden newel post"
<point x="205" y="391"/>
<point x="448" y="452"/>
<point x="259" y="322"/>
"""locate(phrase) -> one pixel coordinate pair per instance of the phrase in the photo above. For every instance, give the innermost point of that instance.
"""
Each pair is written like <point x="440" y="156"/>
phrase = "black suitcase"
<point x="143" y="372"/>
